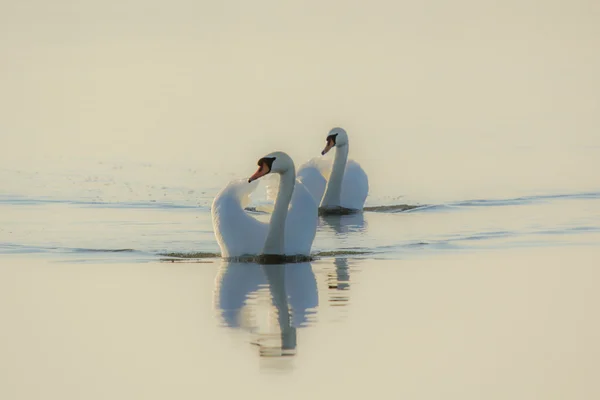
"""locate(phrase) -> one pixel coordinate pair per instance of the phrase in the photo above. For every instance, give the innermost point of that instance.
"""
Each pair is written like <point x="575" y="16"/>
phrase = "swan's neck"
<point x="275" y="243"/>
<point x="333" y="193"/>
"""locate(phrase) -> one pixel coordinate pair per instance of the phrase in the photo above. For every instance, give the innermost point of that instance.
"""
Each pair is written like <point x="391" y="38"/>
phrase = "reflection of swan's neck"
<point x="274" y="244"/>
<point x="334" y="186"/>
<point x="276" y="277"/>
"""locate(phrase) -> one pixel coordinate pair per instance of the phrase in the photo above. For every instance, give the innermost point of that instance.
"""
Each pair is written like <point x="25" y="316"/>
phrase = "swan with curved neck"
<point x="291" y="229"/>
<point x="283" y="165"/>
<point x="347" y="187"/>
<point x="337" y="138"/>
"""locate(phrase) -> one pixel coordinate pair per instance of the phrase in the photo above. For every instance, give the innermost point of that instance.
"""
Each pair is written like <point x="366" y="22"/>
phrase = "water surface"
<point x="121" y="122"/>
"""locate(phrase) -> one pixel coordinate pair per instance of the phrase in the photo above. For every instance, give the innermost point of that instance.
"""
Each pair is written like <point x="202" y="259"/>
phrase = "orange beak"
<point x="330" y="144"/>
<point x="262" y="170"/>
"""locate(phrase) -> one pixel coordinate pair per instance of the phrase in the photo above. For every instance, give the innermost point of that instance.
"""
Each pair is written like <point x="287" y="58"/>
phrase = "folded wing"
<point x="237" y="232"/>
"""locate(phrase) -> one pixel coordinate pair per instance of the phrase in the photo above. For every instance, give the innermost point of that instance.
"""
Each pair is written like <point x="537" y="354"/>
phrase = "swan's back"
<point x="237" y="233"/>
<point x="314" y="174"/>
<point x="355" y="186"/>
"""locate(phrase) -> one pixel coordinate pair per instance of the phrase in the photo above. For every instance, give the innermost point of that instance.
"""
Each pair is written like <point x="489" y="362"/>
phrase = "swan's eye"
<point x="331" y="138"/>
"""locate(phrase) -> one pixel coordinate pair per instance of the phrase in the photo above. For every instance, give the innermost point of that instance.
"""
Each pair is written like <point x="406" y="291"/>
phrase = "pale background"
<point x="462" y="99"/>
<point x="120" y="121"/>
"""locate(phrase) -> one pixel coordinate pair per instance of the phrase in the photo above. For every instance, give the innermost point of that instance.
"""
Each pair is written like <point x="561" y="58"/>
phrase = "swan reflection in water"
<point x="339" y="279"/>
<point x="344" y="224"/>
<point x="291" y="288"/>
<point x="346" y="228"/>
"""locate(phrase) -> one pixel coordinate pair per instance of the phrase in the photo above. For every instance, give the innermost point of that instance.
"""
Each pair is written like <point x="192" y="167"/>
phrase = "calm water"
<point x="115" y="215"/>
<point x="488" y="298"/>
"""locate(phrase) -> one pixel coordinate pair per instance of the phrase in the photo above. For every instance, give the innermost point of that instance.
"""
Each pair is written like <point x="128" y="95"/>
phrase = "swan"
<point x="293" y="224"/>
<point x="343" y="190"/>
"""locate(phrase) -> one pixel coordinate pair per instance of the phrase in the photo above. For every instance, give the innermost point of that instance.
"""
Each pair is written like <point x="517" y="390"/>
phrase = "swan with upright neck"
<point x="345" y="189"/>
<point x="293" y="223"/>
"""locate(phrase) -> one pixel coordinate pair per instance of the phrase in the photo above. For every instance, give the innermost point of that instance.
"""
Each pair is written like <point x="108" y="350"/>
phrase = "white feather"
<point x="238" y="233"/>
<point x="315" y="173"/>
<point x="355" y="186"/>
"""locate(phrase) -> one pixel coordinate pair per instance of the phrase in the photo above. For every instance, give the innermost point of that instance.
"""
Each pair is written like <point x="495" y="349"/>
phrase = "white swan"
<point x="293" y="224"/>
<point x="346" y="187"/>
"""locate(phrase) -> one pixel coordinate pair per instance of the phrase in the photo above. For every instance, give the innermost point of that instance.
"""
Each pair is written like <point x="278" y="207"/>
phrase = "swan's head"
<point x="336" y="137"/>
<point x="277" y="162"/>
